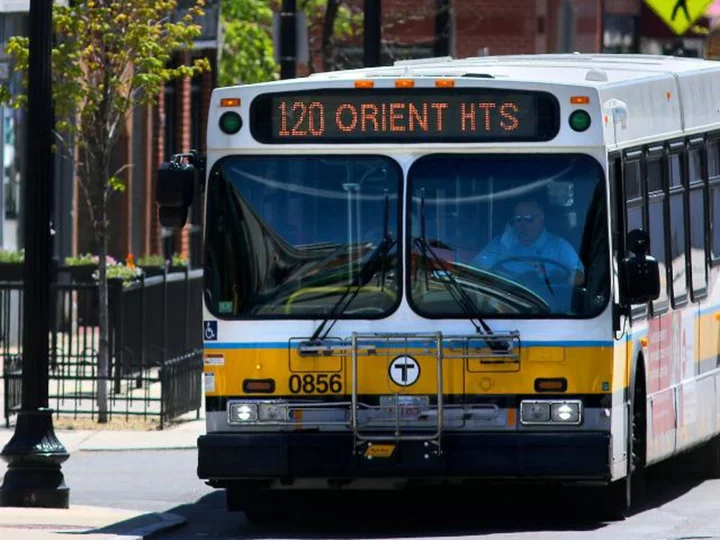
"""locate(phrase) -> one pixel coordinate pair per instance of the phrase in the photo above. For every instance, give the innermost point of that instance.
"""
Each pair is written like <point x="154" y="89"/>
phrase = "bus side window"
<point x="698" y="218"/>
<point x="676" y="225"/>
<point x="713" y="168"/>
<point x="635" y="209"/>
<point x="655" y="176"/>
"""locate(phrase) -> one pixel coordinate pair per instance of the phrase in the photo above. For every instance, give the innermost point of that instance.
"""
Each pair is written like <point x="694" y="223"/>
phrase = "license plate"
<point x="380" y="450"/>
<point x="407" y="406"/>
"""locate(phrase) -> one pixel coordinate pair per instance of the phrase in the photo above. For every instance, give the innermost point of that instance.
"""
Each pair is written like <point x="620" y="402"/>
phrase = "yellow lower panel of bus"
<point x="588" y="370"/>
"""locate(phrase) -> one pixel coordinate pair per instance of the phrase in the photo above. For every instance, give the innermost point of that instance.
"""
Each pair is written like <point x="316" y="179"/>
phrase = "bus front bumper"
<point x="571" y="456"/>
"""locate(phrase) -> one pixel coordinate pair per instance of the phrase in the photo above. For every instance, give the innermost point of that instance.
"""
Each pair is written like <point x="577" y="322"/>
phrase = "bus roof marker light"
<point x="404" y="83"/>
<point x="230" y="122"/>
<point x="230" y="102"/>
<point x="580" y="120"/>
<point x="445" y="83"/>
<point x="579" y="100"/>
<point x="364" y="83"/>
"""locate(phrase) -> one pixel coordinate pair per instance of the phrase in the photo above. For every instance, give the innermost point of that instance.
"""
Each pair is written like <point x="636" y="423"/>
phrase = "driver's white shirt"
<point x="547" y="246"/>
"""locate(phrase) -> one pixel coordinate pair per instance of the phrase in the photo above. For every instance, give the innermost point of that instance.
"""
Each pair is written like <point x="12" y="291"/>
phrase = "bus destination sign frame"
<point x="429" y="115"/>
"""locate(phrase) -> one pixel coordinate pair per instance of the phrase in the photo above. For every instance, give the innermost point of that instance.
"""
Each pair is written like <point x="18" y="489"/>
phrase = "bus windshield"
<point x="287" y="236"/>
<point x="523" y="235"/>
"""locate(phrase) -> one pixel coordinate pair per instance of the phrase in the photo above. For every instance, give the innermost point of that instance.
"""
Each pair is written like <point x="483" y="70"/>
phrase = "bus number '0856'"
<point x="315" y="383"/>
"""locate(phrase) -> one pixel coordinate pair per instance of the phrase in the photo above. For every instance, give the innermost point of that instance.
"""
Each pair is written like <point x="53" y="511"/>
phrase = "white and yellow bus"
<point x="457" y="269"/>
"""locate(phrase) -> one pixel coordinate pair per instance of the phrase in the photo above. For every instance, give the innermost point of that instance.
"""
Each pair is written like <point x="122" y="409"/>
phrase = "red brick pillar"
<point x="182" y="122"/>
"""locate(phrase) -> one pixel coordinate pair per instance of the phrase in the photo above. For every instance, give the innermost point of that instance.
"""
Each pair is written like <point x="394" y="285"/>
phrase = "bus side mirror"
<point x="174" y="190"/>
<point x="639" y="271"/>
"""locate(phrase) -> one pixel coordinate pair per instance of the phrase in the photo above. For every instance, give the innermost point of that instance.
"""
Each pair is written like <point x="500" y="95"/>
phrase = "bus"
<point x="449" y="271"/>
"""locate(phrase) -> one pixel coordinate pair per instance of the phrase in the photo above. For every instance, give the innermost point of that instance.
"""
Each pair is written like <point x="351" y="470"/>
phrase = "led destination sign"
<point x="417" y="115"/>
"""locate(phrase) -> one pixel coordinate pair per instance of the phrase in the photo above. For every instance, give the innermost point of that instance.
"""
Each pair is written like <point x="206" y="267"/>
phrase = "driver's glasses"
<point x="525" y="218"/>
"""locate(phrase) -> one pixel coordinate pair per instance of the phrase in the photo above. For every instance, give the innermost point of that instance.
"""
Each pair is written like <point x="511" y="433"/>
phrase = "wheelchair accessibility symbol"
<point x="210" y="331"/>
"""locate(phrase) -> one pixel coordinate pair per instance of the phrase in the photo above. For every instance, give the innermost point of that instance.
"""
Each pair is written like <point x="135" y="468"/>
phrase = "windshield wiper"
<point x="377" y="258"/>
<point x="456" y="291"/>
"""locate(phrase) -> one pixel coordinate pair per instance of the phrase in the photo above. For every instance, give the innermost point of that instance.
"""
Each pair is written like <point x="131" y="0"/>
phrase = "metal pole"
<point x="371" y="32"/>
<point x="288" y="52"/>
<point x="442" y="28"/>
<point x="567" y="27"/>
<point x="34" y="455"/>
<point x="601" y="26"/>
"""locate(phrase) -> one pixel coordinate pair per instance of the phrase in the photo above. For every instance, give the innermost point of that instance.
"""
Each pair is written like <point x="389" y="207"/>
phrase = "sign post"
<point x="679" y="15"/>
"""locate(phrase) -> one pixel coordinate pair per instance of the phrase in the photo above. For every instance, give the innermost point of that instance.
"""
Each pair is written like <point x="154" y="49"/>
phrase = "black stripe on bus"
<point x="510" y="401"/>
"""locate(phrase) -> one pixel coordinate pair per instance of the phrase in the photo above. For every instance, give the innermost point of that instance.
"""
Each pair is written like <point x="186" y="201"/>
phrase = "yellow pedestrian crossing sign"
<point x="679" y="15"/>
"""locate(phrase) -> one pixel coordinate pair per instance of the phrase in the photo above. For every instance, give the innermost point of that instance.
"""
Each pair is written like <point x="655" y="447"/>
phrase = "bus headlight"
<point x="254" y="412"/>
<point x="568" y="413"/>
<point x="534" y="412"/>
<point x="242" y="413"/>
<point x="273" y="412"/>
<point x="550" y="412"/>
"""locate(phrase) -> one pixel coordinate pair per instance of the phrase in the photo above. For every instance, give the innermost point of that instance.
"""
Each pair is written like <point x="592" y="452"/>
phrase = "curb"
<point x="134" y="448"/>
<point x="165" y="521"/>
<point x="108" y="526"/>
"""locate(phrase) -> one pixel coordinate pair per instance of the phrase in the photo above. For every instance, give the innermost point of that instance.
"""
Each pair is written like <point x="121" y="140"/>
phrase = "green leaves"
<point x="247" y="52"/>
<point x="116" y="184"/>
<point x="109" y="56"/>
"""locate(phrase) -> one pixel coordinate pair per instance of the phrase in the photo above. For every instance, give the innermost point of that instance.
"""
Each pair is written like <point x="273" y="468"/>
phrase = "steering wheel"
<point x="500" y="267"/>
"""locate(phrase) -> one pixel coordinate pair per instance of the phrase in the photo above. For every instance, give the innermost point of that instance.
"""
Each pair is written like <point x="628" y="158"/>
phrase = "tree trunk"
<point x="97" y="181"/>
<point x="103" y="374"/>
<point x="331" y="12"/>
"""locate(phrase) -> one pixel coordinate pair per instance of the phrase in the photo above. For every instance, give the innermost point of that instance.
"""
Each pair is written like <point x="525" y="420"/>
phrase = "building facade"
<point x="151" y="134"/>
<point x="499" y="27"/>
<point x="177" y="123"/>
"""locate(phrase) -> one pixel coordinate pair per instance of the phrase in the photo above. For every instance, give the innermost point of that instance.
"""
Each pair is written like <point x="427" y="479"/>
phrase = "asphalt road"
<point x="679" y="505"/>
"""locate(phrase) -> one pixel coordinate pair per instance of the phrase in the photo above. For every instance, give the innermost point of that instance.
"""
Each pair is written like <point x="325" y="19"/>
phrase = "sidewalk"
<point x="96" y="523"/>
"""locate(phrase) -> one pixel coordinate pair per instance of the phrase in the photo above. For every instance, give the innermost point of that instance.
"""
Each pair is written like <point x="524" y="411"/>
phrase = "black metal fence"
<point x="155" y="340"/>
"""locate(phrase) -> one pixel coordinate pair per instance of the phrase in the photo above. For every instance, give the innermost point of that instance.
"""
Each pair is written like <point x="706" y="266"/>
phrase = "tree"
<point x="247" y="53"/>
<point x="109" y="56"/>
<point x="330" y="21"/>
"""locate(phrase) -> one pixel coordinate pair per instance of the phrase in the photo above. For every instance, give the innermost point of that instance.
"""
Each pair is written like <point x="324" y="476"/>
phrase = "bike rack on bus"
<point x="459" y="347"/>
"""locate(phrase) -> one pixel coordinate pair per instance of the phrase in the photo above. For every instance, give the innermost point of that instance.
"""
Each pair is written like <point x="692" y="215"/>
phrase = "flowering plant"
<point x="126" y="273"/>
<point x="86" y="259"/>
<point x="151" y="260"/>
<point x="179" y="260"/>
<point x="7" y="256"/>
<point x="115" y="270"/>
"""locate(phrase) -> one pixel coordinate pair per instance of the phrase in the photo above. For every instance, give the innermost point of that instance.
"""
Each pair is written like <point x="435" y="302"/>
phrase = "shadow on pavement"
<point x="482" y="509"/>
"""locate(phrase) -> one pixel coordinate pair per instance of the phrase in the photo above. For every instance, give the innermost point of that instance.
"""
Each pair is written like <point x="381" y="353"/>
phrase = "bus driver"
<point x="527" y="247"/>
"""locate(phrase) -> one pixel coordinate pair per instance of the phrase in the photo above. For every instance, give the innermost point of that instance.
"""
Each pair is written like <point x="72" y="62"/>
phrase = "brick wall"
<point x="501" y="26"/>
<point x="587" y="25"/>
<point x="623" y="7"/>
<point x="408" y="21"/>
